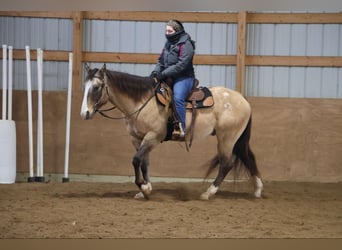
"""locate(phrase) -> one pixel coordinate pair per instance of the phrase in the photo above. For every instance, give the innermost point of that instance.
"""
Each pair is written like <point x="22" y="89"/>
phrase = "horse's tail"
<point x="243" y="152"/>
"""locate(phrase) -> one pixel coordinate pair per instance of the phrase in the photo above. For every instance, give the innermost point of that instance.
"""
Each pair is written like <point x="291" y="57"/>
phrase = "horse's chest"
<point x="136" y="130"/>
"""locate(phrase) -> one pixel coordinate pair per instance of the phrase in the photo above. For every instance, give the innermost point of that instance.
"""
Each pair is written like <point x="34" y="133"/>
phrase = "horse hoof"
<point x="211" y="191"/>
<point x="204" y="197"/>
<point x="258" y="186"/>
<point x="257" y="194"/>
<point x="139" y="195"/>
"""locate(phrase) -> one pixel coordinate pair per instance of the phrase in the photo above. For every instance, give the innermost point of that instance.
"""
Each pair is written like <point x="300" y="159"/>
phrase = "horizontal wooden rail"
<point x="132" y="15"/>
<point x="286" y="61"/>
<point x="215" y="59"/>
<point x="48" y="55"/>
<point x="211" y="17"/>
<point x="295" y="18"/>
<point x="152" y="58"/>
<point x="54" y="55"/>
<point x="119" y="57"/>
<point x="291" y="61"/>
<point x="38" y="14"/>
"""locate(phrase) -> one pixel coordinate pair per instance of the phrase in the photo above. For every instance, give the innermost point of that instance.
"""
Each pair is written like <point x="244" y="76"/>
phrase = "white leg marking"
<point x="258" y="186"/>
<point x="146" y="188"/>
<point x="210" y="192"/>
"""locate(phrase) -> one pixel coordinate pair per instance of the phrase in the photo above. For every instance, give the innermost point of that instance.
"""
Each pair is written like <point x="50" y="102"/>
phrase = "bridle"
<point x="102" y="111"/>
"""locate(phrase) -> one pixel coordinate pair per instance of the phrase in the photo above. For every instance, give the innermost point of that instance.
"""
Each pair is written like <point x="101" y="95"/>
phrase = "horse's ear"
<point x="87" y="67"/>
<point x="104" y="68"/>
<point x="103" y="72"/>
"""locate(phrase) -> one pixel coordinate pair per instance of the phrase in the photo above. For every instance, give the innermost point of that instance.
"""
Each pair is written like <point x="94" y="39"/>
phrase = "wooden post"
<point x="241" y="52"/>
<point x="77" y="50"/>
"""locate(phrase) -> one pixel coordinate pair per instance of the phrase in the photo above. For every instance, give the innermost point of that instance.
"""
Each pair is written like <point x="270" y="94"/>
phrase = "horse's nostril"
<point x="87" y="115"/>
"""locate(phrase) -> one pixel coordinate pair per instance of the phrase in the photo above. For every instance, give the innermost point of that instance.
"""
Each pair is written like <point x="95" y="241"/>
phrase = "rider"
<point x="175" y="63"/>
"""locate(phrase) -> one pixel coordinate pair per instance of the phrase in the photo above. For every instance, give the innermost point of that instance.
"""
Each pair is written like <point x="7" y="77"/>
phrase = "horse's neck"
<point x="130" y="99"/>
<point x="126" y="104"/>
<point x="123" y="103"/>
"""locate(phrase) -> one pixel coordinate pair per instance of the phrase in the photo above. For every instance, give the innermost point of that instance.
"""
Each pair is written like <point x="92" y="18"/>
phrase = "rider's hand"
<point x="158" y="75"/>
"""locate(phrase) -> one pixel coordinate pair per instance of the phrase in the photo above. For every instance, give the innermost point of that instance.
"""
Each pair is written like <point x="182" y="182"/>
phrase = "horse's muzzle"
<point x="86" y="115"/>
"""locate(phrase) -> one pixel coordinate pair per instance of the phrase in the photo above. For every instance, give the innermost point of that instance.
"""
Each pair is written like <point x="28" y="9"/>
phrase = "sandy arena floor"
<point x="107" y="210"/>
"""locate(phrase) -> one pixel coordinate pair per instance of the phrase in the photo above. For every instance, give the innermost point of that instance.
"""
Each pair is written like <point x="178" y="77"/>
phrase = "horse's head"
<point x="94" y="91"/>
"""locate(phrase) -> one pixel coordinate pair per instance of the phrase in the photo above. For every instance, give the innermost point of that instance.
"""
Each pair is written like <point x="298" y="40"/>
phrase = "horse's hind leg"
<point x="244" y="153"/>
<point x="248" y="160"/>
<point x="258" y="186"/>
<point x="225" y="165"/>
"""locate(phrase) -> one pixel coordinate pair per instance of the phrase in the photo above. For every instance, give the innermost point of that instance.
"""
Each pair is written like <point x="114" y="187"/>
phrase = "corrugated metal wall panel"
<point x="148" y="37"/>
<point x="123" y="36"/>
<point x="294" y="40"/>
<point x="297" y="42"/>
<point x="300" y="82"/>
<point x="211" y="39"/>
<point x="314" y="40"/>
<point x="55" y="75"/>
<point x="329" y="88"/>
<point x="157" y="37"/>
<point x="44" y="33"/>
<point x="297" y="82"/>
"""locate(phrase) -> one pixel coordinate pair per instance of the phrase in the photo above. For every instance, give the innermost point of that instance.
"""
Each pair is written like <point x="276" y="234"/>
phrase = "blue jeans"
<point x="181" y="90"/>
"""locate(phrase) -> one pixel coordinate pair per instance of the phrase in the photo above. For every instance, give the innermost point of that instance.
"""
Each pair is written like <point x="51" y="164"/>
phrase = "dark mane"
<point x="136" y="87"/>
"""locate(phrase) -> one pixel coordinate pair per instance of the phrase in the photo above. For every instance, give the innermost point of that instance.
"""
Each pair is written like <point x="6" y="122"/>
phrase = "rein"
<point x="101" y="111"/>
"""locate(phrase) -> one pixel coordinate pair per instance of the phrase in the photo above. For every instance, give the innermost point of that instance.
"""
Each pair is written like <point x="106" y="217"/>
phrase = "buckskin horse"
<point x="229" y="119"/>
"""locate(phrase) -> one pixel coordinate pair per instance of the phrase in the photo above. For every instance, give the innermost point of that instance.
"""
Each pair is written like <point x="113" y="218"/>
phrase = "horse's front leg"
<point x="141" y="164"/>
<point x="143" y="182"/>
<point x="146" y="187"/>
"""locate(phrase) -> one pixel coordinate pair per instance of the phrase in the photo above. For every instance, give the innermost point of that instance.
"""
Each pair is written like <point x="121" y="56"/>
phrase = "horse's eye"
<point x="96" y="88"/>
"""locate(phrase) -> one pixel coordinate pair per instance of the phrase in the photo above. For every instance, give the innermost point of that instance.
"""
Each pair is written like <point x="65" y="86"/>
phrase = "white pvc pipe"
<point x="29" y="109"/>
<point x="67" y="138"/>
<point x="4" y="81"/>
<point x="10" y="81"/>
<point x="40" y="114"/>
